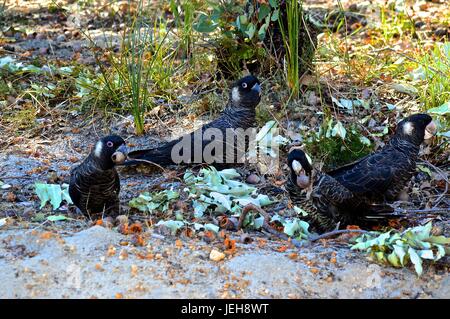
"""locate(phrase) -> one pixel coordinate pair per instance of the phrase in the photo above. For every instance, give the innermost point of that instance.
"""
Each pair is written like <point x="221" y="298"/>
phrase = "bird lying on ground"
<point x="94" y="184"/>
<point x="238" y="114"/>
<point x="358" y="193"/>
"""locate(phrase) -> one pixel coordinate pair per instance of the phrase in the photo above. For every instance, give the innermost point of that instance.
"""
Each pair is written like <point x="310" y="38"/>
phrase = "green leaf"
<point x="52" y="193"/>
<point x="400" y="252"/>
<point x="300" y="211"/>
<point x="56" y="218"/>
<point x="393" y="259"/>
<point x="441" y="110"/>
<point x="405" y="88"/>
<point x="442" y="240"/>
<point x="212" y="227"/>
<point x="262" y="32"/>
<point x="339" y="130"/>
<point x="264" y="10"/>
<point x="250" y="32"/>
<point x="426" y="254"/>
<point x="273" y="3"/>
<point x="416" y="260"/>
<point x="205" y="24"/>
<point x="274" y="16"/>
<point x="147" y="202"/>
<point x="381" y="257"/>
<point x="173" y="225"/>
<point x="258" y="222"/>
<point x="221" y="199"/>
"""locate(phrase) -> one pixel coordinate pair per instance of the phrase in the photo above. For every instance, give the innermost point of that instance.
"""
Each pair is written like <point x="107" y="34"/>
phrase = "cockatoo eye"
<point x="109" y="144"/>
<point x="244" y="85"/>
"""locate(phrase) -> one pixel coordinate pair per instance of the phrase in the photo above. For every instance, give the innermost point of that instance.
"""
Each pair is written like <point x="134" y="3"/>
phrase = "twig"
<point x="426" y="210"/>
<point x="149" y="162"/>
<point x="16" y="177"/>
<point x="338" y="232"/>
<point x="158" y="236"/>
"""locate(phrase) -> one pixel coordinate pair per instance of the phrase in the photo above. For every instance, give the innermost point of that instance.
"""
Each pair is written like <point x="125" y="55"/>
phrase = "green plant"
<point x="249" y="22"/>
<point x="184" y="18"/>
<point x="243" y="28"/>
<point x="401" y="248"/>
<point x="157" y="201"/>
<point x="291" y="43"/>
<point x="144" y="66"/>
<point x="433" y="75"/>
<point x="336" y="145"/>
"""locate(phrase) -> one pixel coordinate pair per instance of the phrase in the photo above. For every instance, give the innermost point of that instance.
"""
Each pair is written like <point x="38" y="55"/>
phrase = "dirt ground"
<point x="76" y="265"/>
<point x="75" y="259"/>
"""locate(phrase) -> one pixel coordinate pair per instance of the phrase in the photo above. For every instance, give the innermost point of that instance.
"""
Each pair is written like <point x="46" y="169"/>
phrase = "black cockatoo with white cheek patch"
<point x="239" y="113"/>
<point x="359" y="192"/>
<point x="94" y="184"/>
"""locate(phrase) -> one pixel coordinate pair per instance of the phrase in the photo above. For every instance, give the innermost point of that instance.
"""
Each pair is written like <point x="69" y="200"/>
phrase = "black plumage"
<point x="239" y="113"/>
<point x="94" y="184"/>
<point x="358" y="193"/>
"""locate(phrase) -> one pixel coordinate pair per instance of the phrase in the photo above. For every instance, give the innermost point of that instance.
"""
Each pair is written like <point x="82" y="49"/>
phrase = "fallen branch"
<point x="338" y="232"/>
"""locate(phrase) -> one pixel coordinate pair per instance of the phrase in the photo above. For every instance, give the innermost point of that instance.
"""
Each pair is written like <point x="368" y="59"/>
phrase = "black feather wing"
<point x="162" y="155"/>
<point x="374" y="174"/>
<point x="94" y="191"/>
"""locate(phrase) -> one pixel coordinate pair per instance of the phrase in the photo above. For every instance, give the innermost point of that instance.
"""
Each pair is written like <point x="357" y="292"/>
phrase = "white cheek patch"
<point x="408" y="128"/>
<point x="98" y="149"/>
<point x="235" y="96"/>
<point x="309" y="159"/>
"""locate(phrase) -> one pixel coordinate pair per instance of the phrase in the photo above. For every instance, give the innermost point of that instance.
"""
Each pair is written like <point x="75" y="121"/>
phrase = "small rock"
<point x="122" y="219"/>
<point x="108" y="222"/>
<point x="68" y="34"/>
<point x="253" y="179"/>
<point x="60" y="38"/>
<point x="216" y="255"/>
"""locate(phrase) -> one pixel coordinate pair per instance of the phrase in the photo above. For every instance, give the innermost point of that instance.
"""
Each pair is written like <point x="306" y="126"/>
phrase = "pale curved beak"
<point x="297" y="167"/>
<point x="303" y="181"/>
<point x="120" y="155"/>
<point x="256" y="87"/>
<point x="430" y="130"/>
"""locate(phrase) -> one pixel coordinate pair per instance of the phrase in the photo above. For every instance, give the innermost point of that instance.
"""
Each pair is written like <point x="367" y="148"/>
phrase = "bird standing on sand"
<point x="238" y="114"/>
<point x="94" y="184"/>
<point x="358" y="192"/>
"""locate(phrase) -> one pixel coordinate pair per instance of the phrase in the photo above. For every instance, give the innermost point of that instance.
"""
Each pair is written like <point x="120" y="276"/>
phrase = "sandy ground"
<point x="78" y="265"/>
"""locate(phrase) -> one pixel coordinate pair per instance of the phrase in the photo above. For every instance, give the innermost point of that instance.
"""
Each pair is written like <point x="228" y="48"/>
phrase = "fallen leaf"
<point x="282" y="249"/>
<point x="135" y="228"/>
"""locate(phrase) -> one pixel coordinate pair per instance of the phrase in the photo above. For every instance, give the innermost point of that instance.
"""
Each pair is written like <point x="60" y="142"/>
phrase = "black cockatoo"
<point x="238" y="114"/>
<point x="94" y="184"/>
<point x="359" y="192"/>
